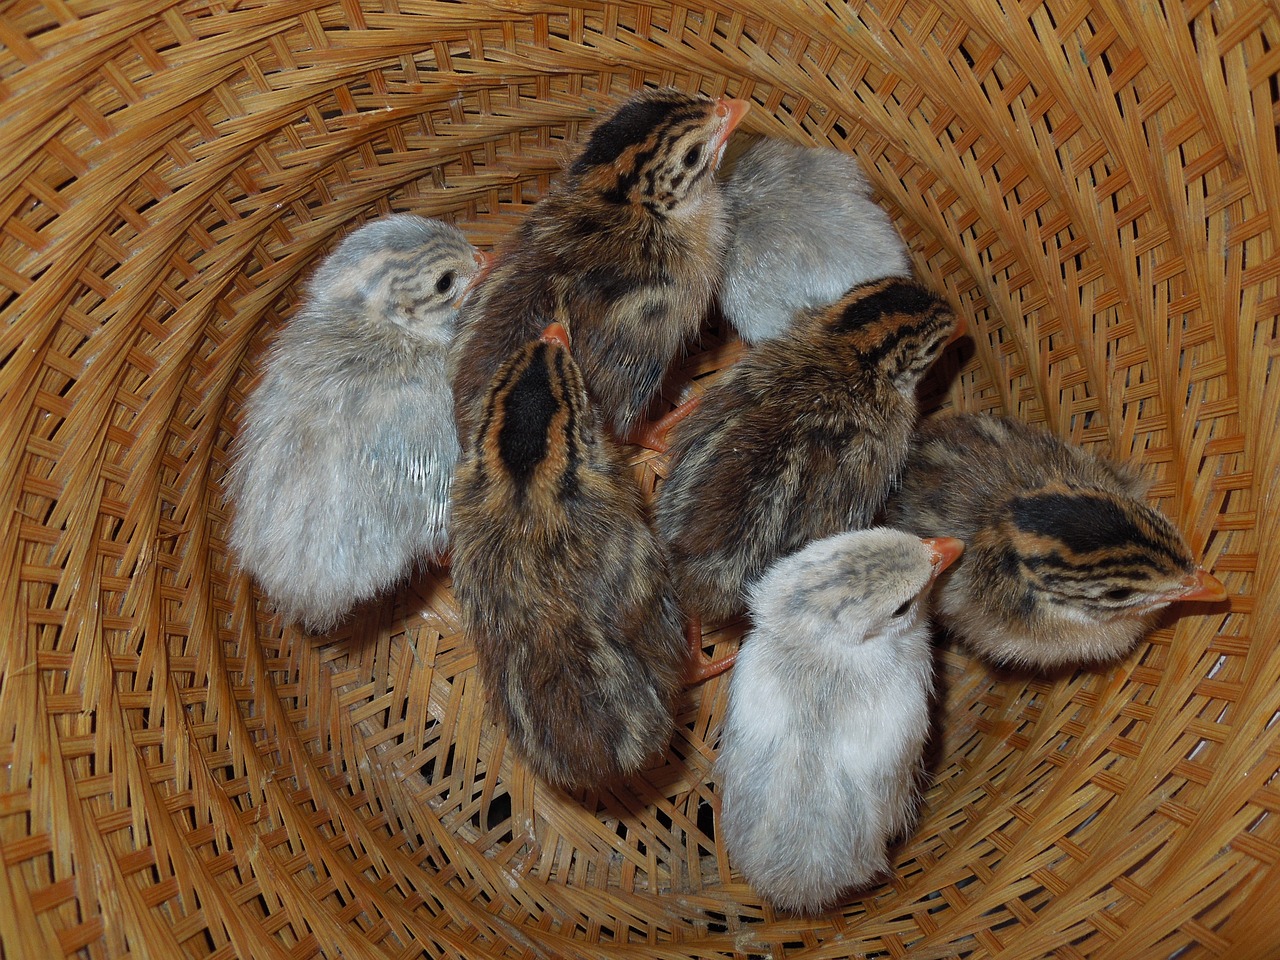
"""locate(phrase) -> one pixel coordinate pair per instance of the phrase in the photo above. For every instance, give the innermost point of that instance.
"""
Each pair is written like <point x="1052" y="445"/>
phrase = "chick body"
<point x="799" y="439"/>
<point x="562" y="585"/>
<point x="341" y="473"/>
<point x="625" y="249"/>
<point x="1065" y="563"/>
<point x="803" y="229"/>
<point x="828" y="711"/>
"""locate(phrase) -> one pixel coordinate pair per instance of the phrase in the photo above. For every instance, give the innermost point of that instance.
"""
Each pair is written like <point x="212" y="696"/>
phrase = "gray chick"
<point x="803" y="230"/>
<point x="828" y="711"/>
<point x="341" y="473"/>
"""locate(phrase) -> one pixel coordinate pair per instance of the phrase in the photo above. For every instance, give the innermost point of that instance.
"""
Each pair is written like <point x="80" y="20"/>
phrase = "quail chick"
<point x="562" y="585"/>
<point x="340" y="477"/>
<point x="802" y="230"/>
<point x="625" y="249"/>
<point x="821" y="748"/>
<point x="1065" y="562"/>
<point x="798" y="440"/>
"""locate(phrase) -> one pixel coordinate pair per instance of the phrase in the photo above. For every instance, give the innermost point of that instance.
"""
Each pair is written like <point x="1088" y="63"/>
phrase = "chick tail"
<point x="585" y="720"/>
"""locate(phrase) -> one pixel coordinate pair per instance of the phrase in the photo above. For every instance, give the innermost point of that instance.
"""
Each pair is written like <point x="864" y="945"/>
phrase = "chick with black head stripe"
<point x="624" y="250"/>
<point x="562" y="585"/>
<point x="798" y="440"/>
<point x="1066" y="562"/>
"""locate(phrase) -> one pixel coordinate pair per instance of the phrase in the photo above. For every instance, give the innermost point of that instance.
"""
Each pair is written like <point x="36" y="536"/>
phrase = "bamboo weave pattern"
<point x="1093" y="185"/>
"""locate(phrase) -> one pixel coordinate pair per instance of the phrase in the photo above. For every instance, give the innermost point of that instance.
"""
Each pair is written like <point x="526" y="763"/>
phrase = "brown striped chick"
<point x="563" y="587"/>
<point x="1065" y="561"/>
<point x="625" y="248"/>
<point x="798" y="440"/>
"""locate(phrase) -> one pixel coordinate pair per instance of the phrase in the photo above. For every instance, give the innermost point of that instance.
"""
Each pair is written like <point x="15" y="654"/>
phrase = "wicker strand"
<point x="1092" y="183"/>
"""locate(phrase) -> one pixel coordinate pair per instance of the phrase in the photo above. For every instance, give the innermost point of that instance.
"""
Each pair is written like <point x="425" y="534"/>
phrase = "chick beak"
<point x="484" y="265"/>
<point x="1202" y="585"/>
<point x="962" y="327"/>
<point x="732" y="111"/>
<point x="945" y="551"/>
<point x="556" y="333"/>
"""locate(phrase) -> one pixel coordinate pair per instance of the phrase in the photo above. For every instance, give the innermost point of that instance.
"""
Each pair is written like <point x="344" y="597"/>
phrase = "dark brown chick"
<point x="625" y="249"/>
<point x="562" y="585"/>
<point x="798" y="440"/>
<point x="1065" y="561"/>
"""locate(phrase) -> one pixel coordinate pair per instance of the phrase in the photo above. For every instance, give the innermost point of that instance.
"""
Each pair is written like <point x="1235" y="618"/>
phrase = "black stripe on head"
<point x="1085" y="523"/>
<point x="632" y="123"/>
<point x="895" y="295"/>
<point x="911" y="325"/>
<point x="1054" y="568"/>
<point x="569" y="480"/>
<point x="522" y="438"/>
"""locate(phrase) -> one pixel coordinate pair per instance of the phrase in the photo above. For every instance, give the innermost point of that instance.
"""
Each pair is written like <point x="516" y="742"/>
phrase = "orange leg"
<point x="702" y="669"/>
<point x="653" y="435"/>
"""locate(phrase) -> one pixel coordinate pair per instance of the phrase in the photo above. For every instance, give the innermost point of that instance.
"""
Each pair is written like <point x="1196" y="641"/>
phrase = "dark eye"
<point x="445" y="283"/>
<point x="906" y="605"/>
<point x="693" y="155"/>
<point x="1118" y="593"/>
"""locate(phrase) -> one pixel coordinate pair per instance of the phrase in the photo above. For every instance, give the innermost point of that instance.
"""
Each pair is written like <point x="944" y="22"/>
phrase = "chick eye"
<point x="1118" y="593"/>
<point x="902" y="610"/>
<point x="693" y="155"/>
<point x="445" y="283"/>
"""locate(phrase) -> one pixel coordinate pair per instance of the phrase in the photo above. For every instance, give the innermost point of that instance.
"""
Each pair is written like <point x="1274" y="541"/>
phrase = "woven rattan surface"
<point x="1093" y="183"/>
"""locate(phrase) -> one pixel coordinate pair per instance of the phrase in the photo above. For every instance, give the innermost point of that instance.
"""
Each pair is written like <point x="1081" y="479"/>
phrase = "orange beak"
<point x="944" y="550"/>
<point x="1202" y="585"/>
<point x="556" y="333"/>
<point x="962" y="327"/>
<point x="484" y="266"/>
<point x="733" y="111"/>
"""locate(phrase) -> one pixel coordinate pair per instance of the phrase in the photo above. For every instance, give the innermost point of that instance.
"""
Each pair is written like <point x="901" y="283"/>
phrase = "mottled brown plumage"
<point x="625" y="249"/>
<point x="1065" y="561"/>
<point x="562" y="584"/>
<point x="798" y="440"/>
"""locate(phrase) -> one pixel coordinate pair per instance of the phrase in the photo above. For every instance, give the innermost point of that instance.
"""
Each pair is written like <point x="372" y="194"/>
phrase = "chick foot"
<point x="653" y="435"/>
<point x="702" y="668"/>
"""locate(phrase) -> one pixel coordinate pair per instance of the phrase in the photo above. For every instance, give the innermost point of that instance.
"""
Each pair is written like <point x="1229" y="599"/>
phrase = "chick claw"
<point x="701" y="668"/>
<point x="653" y="435"/>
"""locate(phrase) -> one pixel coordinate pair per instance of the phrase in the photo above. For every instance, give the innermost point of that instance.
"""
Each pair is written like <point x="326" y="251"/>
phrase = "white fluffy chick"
<point x="828" y="711"/>
<point x="803" y="230"/>
<point x="341" y="473"/>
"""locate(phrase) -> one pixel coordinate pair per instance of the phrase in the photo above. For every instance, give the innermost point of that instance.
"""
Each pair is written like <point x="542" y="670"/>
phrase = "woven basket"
<point x="1093" y="183"/>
